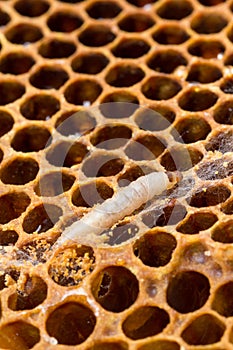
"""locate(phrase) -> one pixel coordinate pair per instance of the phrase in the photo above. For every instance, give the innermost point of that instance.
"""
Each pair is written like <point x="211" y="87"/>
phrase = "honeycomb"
<point x="163" y="281"/>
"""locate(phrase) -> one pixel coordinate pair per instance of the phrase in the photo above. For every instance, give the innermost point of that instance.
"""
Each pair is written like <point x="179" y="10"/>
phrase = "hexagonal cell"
<point x="188" y="291"/>
<point x="8" y="237"/>
<point x="227" y="208"/>
<point x="23" y="34"/>
<point x="83" y="92"/>
<point x="204" y="73"/>
<point x="223" y="113"/>
<point x="96" y="35"/>
<point x="13" y="204"/>
<point x="19" y="335"/>
<point x="141" y="3"/>
<point x="171" y="34"/>
<point x="191" y="129"/>
<point x="102" y="165"/>
<point x="166" y="61"/>
<point x="49" y="77"/>
<point x="146" y="147"/>
<point x="111" y="137"/>
<point x="36" y="251"/>
<point x="196" y="99"/>
<point x="208" y="22"/>
<point x="39" y="107"/>
<point x="203" y="330"/>
<point x="89" y="63"/>
<point x="16" y="63"/>
<point x="124" y="75"/>
<point x="215" y="170"/>
<point x="53" y="184"/>
<point x="227" y="86"/>
<point x="137" y="22"/>
<point x="212" y="195"/>
<point x="117" y="345"/>
<point x="14" y="274"/>
<point x="223" y="232"/>
<point x="76" y="323"/>
<point x="19" y="171"/>
<point x="228" y="60"/>
<point x="180" y="158"/>
<point x="10" y="91"/>
<point x="4" y="18"/>
<point x="197" y="222"/>
<point x="160" y="88"/>
<point x="75" y="122"/>
<point x="64" y="21"/>
<point x="33" y="293"/>
<point x="175" y="9"/>
<point x="223" y="302"/>
<point x="71" y="1"/>
<point x="72" y="265"/>
<point x="41" y="218"/>
<point x="206" y="48"/>
<point x="25" y="8"/>
<point x="115" y="288"/>
<point x="131" y="48"/>
<point x="89" y="194"/>
<point x="57" y="48"/>
<point x="155" y="118"/>
<point x="66" y="154"/>
<point x="211" y="2"/>
<point x="155" y="248"/>
<point x="221" y="142"/>
<point x="160" y="345"/>
<point x="120" y="104"/>
<point x="31" y="139"/>
<point x="103" y="9"/>
<point x="6" y="122"/>
<point x="144" y="322"/>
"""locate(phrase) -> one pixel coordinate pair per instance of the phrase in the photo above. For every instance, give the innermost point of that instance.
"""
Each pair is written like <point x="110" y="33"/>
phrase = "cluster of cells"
<point x="93" y="95"/>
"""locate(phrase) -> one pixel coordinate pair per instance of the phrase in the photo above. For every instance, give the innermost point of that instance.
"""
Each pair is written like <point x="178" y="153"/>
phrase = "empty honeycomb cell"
<point x="227" y="207"/>
<point x="19" y="171"/>
<point x="188" y="291"/>
<point x="6" y="122"/>
<point x="57" y="48"/>
<point x="71" y="323"/>
<point x="204" y="73"/>
<point x="89" y="194"/>
<point x="102" y="165"/>
<point x="136" y="22"/>
<point x="220" y="141"/>
<point x="215" y="170"/>
<point x="206" y="48"/>
<point x="83" y="92"/>
<point x="16" y="63"/>
<point x="111" y="137"/>
<point x="131" y="48"/>
<point x="66" y="154"/>
<point x="75" y="122"/>
<point x="160" y="345"/>
<point x="117" y="345"/>
<point x="155" y="118"/>
<point x="211" y="2"/>
<point x="25" y="8"/>
<point x="8" y="237"/>
<point x="10" y="91"/>
<point x="229" y="60"/>
<point x="227" y="86"/>
<point x="23" y="33"/>
<point x="144" y="322"/>
<point x="64" y="21"/>
<point x="1" y="155"/>
<point x="191" y="129"/>
<point x="166" y="61"/>
<point x="129" y="175"/>
<point x="31" y="139"/>
<point x="197" y="99"/>
<point x="223" y="113"/>
<point x="203" y="330"/>
<point x="103" y="9"/>
<point x="4" y="18"/>
<point x="19" y="335"/>
<point x="155" y="248"/>
<point x="141" y="3"/>
<point x="89" y="63"/>
<point x="175" y="9"/>
<point x="180" y="158"/>
<point x="208" y="22"/>
<point x="171" y="34"/>
<point x="223" y="232"/>
<point x="41" y="218"/>
<point x="223" y="302"/>
<point x="53" y="184"/>
<point x="33" y="293"/>
<point x="168" y="215"/>
<point x="197" y="222"/>
<point x="124" y="75"/>
<point x="96" y="35"/>
<point x="160" y="88"/>
<point x="208" y="196"/>
<point x="230" y="34"/>
<point x="115" y="288"/>
<point x="121" y="233"/>
<point x="39" y="107"/>
<point x="13" y="204"/>
<point x="120" y="104"/>
<point x="72" y="265"/>
<point x="49" y="77"/>
<point x="71" y="1"/>
<point x="146" y="147"/>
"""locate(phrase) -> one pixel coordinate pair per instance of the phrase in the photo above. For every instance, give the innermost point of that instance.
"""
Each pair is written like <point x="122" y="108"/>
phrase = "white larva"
<point x="88" y="229"/>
